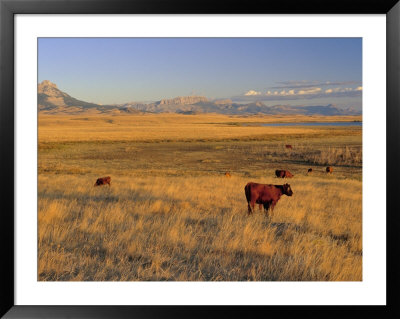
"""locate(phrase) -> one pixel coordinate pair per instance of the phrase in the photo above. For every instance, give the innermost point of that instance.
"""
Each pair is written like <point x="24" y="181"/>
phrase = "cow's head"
<point x="287" y="190"/>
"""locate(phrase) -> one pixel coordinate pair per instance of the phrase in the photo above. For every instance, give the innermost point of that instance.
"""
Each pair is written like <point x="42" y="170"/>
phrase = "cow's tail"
<point x="247" y="192"/>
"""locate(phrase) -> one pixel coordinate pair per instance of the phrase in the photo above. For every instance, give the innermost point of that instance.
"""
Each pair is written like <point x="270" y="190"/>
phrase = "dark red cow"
<point x="289" y="146"/>
<point x="309" y="170"/>
<point x="283" y="173"/>
<point x="329" y="169"/>
<point x="103" y="181"/>
<point x="265" y="194"/>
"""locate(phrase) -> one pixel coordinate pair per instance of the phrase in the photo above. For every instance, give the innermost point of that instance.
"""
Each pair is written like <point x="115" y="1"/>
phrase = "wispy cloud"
<point x="296" y="94"/>
<point x="343" y="90"/>
<point x="309" y="91"/>
<point x="252" y="93"/>
<point x="309" y="84"/>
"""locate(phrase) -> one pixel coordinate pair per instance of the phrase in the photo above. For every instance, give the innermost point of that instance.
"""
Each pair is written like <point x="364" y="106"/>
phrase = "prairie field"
<point x="171" y="214"/>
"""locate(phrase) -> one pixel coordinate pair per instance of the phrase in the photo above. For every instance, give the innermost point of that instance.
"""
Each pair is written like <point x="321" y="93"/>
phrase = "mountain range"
<point x="52" y="100"/>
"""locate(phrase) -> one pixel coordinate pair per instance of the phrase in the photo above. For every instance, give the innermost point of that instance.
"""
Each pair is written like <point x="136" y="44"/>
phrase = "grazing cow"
<point x="227" y="174"/>
<point x="282" y="173"/>
<point x="265" y="194"/>
<point x="309" y="171"/>
<point x="103" y="181"/>
<point x="289" y="146"/>
<point x="329" y="169"/>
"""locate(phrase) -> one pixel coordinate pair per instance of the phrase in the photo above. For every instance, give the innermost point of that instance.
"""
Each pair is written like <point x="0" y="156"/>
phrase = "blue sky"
<point x="290" y="71"/>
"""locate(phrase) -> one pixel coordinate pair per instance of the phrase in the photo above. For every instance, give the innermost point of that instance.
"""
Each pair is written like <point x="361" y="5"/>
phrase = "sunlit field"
<point x="171" y="214"/>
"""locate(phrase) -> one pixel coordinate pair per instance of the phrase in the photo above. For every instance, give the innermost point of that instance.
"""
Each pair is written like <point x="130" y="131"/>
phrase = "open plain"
<point x="172" y="214"/>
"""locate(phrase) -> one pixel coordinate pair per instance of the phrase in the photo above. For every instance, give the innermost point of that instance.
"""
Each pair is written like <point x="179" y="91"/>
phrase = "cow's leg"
<point x="272" y="206"/>
<point x="249" y="208"/>
<point x="266" y="208"/>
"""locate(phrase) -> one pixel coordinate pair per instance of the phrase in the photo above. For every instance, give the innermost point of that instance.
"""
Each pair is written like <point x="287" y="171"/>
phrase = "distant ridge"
<point x="52" y="100"/>
<point x="183" y="100"/>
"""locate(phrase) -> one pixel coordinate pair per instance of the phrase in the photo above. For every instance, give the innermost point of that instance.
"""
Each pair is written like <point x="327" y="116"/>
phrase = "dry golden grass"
<point x="184" y="228"/>
<point x="171" y="214"/>
<point x="174" y="127"/>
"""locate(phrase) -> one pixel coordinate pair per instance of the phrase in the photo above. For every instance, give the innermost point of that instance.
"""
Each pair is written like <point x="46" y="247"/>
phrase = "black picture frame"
<point x="8" y="8"/>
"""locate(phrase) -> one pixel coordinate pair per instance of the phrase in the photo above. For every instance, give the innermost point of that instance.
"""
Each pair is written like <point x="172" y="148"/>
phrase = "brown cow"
<point x="309" y="170"/>
<point x="103" y="181"/>
<point x="282" y="173"/>
<point x="289" y="146"/>
<point x="265" y="194"/>
<point x="329" y="169"/>
<point x="227" y="174"/>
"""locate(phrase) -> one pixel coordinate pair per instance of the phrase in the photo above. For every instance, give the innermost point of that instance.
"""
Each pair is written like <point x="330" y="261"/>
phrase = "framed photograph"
<point x="167" y="159"/>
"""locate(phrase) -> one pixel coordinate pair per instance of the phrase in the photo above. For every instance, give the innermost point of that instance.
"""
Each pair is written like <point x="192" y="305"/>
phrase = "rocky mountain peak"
<point x="48" y="83"/>
<point x="49" y="88"/>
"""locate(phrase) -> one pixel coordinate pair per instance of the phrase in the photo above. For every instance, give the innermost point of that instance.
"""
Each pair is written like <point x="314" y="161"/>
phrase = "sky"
<point x="277" y="71"/>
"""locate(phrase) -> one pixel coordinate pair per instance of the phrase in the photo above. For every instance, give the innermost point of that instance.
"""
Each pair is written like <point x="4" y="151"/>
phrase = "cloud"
<point x="251" y="93"/>
<point x="296" y="90"/>
<point x="293" y="94"/>
<point x="289" y="92"/>
<point x="310" y="84"/>
<point x="309" y="91"/>
<point x="343" y="90"/>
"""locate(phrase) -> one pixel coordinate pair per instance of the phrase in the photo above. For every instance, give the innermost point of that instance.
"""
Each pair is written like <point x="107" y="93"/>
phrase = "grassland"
<point x="171" y="214"/>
